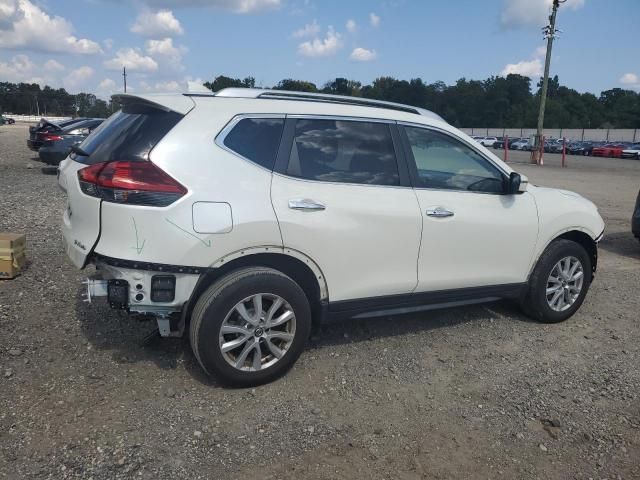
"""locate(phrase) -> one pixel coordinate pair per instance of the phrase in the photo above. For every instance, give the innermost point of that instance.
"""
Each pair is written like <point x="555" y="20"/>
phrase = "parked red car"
<point x="609" y="150"/>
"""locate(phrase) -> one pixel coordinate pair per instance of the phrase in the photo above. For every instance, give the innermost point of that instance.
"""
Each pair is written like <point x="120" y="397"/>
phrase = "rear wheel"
<point x="559" y="282"/>
<point x="250" y="326"/>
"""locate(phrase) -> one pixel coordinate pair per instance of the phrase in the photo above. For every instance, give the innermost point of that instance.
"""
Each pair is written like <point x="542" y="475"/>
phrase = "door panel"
<point x="473" y="235"/>
<point x="489" y="239"/>
<point x="342" y="199"/>
<point x="365" y="239"/>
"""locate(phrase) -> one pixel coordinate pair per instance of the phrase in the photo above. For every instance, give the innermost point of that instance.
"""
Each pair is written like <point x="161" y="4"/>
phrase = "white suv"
<point x="246" y="215"/>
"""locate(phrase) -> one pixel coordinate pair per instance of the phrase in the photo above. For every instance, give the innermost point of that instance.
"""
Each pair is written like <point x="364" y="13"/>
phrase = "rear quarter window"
<point x="256" y="139"/>
<point x="128" y="135"/>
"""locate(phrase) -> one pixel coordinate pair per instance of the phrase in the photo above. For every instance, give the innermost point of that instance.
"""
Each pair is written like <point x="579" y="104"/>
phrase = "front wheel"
<point x="559" y="282"/>
<point x="250" y="326"/>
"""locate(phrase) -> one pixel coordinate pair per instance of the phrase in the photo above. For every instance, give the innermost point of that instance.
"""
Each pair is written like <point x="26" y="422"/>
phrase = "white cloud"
<point x="24" y="25"/>
<point x="107" y="84"/>
<point x="157" y="24"/>
<point x="527" y="13"/>
<point x="540" y="52"/>
<point x="53" y="66"/>
<point x="133" y="59"/>
<point x="363" y="55"/>
<point x="78" y="78"/>
<point x="374" y="20"/>
<point x="19" y="69"/>
<point x="236" y="6"/>
<point x="526" y="68"/>
<point x="165" y="53"/>
<point x="351" y="25"/>
<point x="169" y="86"/>
<point x="321" y="48"/>
<point x="309" y="30"/>
<point x="108" y="43"/>
<point x="629" y="79"/>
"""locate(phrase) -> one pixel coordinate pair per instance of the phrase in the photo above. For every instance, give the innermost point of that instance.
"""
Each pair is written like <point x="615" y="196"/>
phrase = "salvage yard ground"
<point x="474" y="392"/>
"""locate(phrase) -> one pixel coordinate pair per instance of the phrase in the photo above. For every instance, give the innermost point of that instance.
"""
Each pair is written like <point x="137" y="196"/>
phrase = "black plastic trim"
<point x="152" y="267"/>
<point x="351" y="308"/>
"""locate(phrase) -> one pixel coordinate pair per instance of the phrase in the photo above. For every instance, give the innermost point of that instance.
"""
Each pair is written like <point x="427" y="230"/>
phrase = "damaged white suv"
<point x="246" y="215"/>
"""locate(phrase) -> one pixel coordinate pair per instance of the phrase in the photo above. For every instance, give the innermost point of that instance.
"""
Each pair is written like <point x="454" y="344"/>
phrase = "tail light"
<point x="133" y="183"/>
<point x="50" y="137"/>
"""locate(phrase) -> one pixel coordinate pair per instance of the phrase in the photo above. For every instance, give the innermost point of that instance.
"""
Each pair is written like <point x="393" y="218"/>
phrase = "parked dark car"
<point x="6" y="120"/>
<point x="38" y="133"/>
<point x="58" y="144"/>
<point x="635" y="220"/>
<point x="579" y="148"/>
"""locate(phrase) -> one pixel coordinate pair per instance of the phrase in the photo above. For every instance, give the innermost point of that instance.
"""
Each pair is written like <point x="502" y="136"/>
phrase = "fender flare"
<point x="279" y="250"/>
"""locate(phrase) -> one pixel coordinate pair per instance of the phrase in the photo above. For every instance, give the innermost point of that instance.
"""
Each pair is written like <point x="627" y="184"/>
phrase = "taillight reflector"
<point x="138" y="183"/>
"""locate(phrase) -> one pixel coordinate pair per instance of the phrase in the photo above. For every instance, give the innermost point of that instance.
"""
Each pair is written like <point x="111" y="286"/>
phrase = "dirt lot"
<point x="475" y="392"/>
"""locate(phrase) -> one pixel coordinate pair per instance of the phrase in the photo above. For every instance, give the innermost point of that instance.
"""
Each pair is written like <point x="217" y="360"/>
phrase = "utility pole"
<point x="549" y="33"/>
<point x="124" y="76"/>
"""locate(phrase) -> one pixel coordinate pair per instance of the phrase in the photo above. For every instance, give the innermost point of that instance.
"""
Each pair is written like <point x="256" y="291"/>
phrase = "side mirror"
<point x="514" y="183"/>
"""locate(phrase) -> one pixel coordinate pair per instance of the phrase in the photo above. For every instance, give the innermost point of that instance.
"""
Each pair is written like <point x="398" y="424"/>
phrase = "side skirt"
<point x="416" y="302"/>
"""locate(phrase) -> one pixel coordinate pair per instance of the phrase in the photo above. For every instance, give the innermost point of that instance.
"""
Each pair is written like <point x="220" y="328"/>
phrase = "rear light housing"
<point x="49" y="137"/>
<point x="132" y="183"/>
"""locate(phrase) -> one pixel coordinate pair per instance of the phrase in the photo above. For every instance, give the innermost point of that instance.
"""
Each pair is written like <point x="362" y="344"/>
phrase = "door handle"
<point x="439" y="212"/>
<point x="306" y="204"/>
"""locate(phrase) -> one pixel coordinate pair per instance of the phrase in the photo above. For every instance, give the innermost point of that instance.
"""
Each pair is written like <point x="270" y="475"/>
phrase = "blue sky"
<point x="82" y="44"/>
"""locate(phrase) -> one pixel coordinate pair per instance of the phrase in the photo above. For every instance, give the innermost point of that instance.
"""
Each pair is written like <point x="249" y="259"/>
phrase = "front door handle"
<point x="306" y="204"/>
<point x="439" y="212"/>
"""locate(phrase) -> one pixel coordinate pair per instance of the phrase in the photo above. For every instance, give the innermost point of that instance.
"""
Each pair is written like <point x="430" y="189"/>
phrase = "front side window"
<point x="343" y="151"/>
<point x="445" y="163"/>
<point x="256" y="139"/>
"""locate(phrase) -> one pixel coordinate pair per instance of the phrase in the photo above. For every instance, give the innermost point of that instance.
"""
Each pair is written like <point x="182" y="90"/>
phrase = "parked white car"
<point x="488" y="141"/>
<point x="245" y="216"/>
<point x="632" y="152"/>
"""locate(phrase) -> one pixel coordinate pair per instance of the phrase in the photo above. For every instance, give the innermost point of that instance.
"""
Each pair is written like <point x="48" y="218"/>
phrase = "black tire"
<point x="221" y="298"/>
<point x="534" y="303"/>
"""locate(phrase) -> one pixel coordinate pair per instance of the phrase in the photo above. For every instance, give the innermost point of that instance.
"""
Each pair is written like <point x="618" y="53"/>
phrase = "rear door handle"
<point x="306" y="204"/>
<point x="439" y="212"/>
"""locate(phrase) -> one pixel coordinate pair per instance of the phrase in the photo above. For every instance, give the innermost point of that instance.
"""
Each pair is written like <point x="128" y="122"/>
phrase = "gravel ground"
<point x="475" y="392"/>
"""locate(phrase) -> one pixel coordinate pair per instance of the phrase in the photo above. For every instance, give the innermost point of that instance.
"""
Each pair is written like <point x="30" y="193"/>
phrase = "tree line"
<point x="502" y="102"/>
<point x="31" y="99"/>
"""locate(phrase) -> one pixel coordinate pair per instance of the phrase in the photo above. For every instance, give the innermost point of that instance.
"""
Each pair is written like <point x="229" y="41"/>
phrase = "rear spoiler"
<point x="166" y="102"/>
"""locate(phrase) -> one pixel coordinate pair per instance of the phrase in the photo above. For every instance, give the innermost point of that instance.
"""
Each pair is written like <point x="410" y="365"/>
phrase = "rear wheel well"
<point x="290" y="266"/>
<point x="587" y="243"/>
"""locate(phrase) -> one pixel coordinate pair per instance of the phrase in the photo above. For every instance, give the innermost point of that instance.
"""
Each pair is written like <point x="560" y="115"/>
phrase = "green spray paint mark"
<point x="138" y="248"/>
<point x="206" y="243"/>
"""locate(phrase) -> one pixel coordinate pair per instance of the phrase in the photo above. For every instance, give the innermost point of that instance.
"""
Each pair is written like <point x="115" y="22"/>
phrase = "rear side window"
<point x="256" y="139"/>
<point x="343" y="151"/>
<point x="128" y="135"/>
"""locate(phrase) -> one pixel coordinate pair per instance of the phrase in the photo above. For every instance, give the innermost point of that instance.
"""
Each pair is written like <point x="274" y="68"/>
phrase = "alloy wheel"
<point x="257" y="332"/>
<point x="564" y="283"/>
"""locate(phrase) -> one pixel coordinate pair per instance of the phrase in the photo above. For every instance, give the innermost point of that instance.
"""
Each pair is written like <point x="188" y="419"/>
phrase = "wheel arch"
<point x="578" y="236"/>
<point x="296" y="265"/>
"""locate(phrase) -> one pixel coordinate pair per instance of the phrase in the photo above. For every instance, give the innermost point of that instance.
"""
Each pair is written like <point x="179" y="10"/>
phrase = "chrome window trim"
<point x="220" y="137"/>
<point x="322" y="182"/>
<point x="461" y="140"/>
<point x="344" y="118"/>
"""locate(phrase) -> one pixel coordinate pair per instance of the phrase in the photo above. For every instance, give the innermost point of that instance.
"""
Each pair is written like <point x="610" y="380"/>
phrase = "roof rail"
<point x="318" y="97"/>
